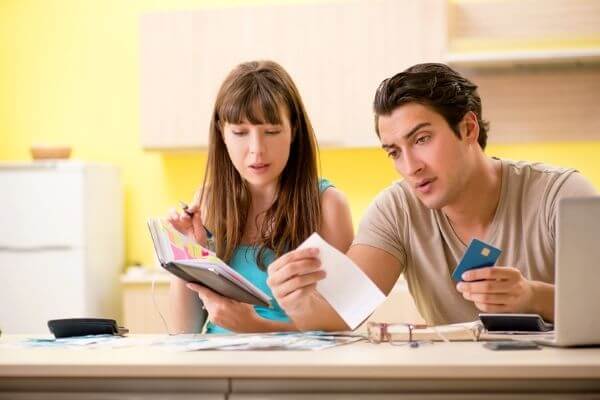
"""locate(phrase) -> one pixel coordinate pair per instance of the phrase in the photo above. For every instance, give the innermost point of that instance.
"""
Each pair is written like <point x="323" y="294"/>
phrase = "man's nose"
<point x="412" y="165"/>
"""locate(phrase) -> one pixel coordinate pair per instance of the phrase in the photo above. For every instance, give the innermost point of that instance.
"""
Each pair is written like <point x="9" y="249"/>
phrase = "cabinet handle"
<point x="26" y="249"/>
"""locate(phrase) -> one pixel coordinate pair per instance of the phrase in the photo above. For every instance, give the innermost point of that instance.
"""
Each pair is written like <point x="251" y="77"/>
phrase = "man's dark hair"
<point x="434" y="85"/>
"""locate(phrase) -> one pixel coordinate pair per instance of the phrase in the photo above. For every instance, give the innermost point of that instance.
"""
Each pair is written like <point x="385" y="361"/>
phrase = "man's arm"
<point x="505" y="289"/>
<point x="543" y="299"/>
<point x="293" y="278"/>
<point x="379" y="265"/>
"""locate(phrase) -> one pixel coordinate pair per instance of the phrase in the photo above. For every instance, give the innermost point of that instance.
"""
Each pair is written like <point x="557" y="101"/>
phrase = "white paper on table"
<point x="346" y="287"/>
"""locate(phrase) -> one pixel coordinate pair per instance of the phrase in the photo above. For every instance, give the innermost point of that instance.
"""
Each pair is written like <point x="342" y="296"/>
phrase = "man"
<point x="429" y="121"/>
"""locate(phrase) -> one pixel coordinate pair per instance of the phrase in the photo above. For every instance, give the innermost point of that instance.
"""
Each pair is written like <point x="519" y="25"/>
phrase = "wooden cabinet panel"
<point x="141" y="305"/>
<point x="523" y="22"/>
<point x="536" y="64"/>
<point x="337" y="54"/>
<point x="534" y="106"/>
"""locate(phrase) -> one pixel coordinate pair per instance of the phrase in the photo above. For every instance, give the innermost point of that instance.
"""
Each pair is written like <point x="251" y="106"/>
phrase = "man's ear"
<point x="469" y="128"/>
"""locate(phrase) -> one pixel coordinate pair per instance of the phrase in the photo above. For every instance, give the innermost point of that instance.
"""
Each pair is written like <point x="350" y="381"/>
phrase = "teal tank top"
<point x="244" y="262"/>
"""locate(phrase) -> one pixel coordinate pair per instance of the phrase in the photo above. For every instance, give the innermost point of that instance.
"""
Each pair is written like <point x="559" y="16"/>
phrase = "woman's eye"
<point x="238" y="133"/>
<point x="272" y="132"/>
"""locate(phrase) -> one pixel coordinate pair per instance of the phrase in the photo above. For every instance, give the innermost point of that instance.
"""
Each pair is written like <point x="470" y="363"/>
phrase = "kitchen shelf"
<point x="509" y="59"/>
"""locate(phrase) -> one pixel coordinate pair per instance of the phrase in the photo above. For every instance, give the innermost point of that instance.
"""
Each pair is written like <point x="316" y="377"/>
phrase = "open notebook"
<point x="191" y="262"/>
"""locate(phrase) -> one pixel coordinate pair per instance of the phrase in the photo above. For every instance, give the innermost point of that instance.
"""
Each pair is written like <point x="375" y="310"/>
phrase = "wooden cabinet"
<point x="142" y="305"/>
<point x="537" y="65"/>
<point x="337" y="54"/>
<point x="536" y="62"/>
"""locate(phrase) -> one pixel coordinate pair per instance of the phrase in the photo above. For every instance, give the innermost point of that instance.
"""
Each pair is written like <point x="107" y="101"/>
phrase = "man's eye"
<point x="393" y="154"/>
<point x="423" y="139"/>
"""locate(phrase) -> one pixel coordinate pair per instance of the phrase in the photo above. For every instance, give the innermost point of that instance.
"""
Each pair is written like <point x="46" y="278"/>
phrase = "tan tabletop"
<point x="459" y="361"/>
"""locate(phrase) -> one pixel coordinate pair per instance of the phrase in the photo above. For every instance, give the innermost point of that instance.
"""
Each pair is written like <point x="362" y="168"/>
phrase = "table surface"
<point x="458" y="360"/>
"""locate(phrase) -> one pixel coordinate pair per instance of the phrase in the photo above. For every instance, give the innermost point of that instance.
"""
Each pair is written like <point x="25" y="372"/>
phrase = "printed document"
<point x="346" y="287"/>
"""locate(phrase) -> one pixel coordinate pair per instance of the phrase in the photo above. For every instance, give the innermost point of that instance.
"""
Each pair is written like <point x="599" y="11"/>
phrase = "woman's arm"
<point x="336" y="220"/>
<point x="185" y="308"/>
<point x="234" y="315"/>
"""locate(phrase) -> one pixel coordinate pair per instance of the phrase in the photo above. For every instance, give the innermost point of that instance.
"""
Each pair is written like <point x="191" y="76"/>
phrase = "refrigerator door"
<point x="41" y="208"/>
<point x="40" y="285"/>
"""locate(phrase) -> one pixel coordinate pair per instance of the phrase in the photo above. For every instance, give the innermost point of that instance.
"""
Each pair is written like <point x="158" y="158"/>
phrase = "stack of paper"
<point x="272" y="341"/>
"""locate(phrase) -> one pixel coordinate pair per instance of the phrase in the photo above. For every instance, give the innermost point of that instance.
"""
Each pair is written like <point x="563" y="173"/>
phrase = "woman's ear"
<point x="470" y="128"/>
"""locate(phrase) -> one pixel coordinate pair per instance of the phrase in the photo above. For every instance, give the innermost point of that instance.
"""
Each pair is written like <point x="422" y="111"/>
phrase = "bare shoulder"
<point x="336" y="219"/>
<point x="333" y="199"/>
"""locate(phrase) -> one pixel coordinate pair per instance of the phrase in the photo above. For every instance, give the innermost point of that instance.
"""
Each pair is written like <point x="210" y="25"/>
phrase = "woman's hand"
<point x="189" y="222"/>
<point x="227" y="313"/>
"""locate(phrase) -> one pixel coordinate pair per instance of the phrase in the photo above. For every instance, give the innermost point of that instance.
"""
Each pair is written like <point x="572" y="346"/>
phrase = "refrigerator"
<point x="61" y="243"/>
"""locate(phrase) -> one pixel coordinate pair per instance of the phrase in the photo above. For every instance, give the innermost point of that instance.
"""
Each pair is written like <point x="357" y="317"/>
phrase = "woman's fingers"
<point x="179" y="221"/>
<point x="198" y="227"/>
<point x="189" y="222"/>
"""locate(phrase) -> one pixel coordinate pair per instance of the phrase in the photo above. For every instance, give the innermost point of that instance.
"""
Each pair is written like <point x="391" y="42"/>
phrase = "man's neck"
<point x="473" y="211"/>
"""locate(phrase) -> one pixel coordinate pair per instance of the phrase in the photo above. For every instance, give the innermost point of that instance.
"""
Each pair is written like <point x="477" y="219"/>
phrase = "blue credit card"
<point x="478" y="255"/>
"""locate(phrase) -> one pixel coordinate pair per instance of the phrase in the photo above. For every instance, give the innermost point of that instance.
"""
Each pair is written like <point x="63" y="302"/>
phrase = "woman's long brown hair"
<point x="258" y="92"/>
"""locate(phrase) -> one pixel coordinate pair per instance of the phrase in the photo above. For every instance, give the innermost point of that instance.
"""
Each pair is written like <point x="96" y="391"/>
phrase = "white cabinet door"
<point x="41" y="208"/>
<point x="38" y="286"/>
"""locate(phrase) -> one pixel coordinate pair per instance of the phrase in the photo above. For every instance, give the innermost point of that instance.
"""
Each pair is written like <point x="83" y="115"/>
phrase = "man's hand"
<point x="293" y="278"/>
<point x="498" y="289"/>
<point x="227" y="313"/>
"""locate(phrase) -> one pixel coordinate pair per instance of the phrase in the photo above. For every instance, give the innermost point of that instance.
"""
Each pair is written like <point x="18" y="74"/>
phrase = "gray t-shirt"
<point x="428" y="249"/>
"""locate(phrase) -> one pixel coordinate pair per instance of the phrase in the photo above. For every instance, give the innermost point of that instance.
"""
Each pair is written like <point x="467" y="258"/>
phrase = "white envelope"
<point x="346" y="287"/>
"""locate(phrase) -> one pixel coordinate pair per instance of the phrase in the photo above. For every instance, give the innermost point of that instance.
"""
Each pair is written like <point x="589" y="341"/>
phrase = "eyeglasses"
<point x="380" y="332"/>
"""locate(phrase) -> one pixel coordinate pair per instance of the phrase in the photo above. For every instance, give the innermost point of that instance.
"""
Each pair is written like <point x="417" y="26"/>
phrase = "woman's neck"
<point x="262" y="197"/>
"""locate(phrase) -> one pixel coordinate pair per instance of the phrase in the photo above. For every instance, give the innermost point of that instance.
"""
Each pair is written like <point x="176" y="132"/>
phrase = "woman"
<point x="262" y="197"/>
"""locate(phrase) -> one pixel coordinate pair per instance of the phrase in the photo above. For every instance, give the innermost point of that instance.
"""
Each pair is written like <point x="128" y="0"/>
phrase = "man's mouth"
<point x="424" y="186"/>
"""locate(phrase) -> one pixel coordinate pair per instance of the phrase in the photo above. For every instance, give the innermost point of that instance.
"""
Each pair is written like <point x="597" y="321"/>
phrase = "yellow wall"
<point x="69" y="74"/>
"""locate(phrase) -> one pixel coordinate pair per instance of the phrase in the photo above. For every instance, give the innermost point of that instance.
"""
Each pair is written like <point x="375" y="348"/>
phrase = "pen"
<point x="186" y="210"/>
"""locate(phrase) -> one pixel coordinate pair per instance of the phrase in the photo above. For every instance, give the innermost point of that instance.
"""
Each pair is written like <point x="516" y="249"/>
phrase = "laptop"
<point x="577" y="269"/>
